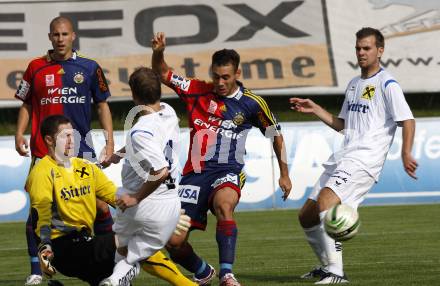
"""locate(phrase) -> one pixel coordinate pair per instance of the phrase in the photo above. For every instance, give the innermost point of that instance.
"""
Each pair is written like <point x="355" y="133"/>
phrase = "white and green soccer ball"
<point x="342" y="222"/>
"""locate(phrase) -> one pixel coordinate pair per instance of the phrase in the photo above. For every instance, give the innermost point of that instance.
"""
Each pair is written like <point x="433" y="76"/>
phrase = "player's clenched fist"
<point x="158" y="42"/>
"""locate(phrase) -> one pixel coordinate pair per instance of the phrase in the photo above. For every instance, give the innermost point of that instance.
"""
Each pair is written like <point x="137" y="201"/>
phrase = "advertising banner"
<point x="286" y="47"/>
<point x="308" y="146"/>
<point x="282" y="43"/>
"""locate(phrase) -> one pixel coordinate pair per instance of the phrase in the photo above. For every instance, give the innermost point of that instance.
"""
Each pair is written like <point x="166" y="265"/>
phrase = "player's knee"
<point x="308" y="216"/>
<point x="224" y="211"/>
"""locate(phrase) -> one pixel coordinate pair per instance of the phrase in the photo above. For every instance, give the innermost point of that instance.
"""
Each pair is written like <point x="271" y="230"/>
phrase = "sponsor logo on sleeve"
<point x="23" y="89"/>
<point x="180" y="82"/>
<point x="262" y="119"/>
<point x="102" y="82"/>
<point x="189" y="193"/>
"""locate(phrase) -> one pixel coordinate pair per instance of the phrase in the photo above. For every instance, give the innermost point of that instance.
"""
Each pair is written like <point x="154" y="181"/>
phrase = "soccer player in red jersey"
<point x="220" y="114"/>
<point x="62" y="82"/>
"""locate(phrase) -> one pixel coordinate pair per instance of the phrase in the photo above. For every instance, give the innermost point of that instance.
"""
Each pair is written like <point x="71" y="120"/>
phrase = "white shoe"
<point x="331" y="278"/>
<point x="229" y="280"/>
<point x="34" y="279"/>
<point x="106" y="282"/>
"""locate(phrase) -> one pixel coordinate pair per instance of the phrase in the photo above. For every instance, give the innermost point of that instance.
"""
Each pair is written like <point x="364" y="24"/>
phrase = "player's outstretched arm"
<point x="155" y="179"/>
<point x="105" y="119"/>
<point x="280" y="151"/>
<point x="305" y="105"/>
<point x="158" y="63"/>
<point x="21" y="144"/>
<point x="409" y="163"/>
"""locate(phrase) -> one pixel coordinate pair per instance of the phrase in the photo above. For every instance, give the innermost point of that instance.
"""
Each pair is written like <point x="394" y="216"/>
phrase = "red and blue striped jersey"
<point x="219" y="125"/>
<point x="62" y="87"/>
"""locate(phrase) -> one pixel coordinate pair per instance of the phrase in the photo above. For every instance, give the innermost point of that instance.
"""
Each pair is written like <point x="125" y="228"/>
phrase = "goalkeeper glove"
<point x="183" y="224"/>
<point x="45" y="255"/>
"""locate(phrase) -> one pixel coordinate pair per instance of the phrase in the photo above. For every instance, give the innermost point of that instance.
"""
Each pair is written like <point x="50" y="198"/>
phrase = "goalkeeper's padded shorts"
<point x="90" y="259"/>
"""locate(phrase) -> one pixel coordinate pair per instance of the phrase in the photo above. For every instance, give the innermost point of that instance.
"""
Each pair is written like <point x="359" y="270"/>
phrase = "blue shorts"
<point x="196" y="191"/>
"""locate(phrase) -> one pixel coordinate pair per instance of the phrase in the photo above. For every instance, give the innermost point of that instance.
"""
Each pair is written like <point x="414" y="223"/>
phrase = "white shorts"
<point x="348" y="180"/>
<point x="146" y="227"/>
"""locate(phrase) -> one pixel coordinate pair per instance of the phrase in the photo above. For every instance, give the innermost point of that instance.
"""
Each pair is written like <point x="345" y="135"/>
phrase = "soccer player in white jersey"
<point x="373" y="108"/>
<point x="148" y="204"/>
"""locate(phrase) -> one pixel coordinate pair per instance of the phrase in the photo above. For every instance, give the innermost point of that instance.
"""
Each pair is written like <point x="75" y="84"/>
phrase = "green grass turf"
<point x="397" y="245"/>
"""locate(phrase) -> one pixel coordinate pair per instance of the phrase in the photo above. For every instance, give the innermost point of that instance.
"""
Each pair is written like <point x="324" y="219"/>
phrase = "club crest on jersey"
<point x="78" y="78"/>
<point x="368" y="92"/>
<point x="238" y="118"/>
<point x="189" y="193"/>
<point x="50" y="80"/>
<point x="212" y="107"/>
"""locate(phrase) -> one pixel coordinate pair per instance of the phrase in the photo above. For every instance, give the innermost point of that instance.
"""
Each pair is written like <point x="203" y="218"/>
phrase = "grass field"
<point x="397" y="245"/>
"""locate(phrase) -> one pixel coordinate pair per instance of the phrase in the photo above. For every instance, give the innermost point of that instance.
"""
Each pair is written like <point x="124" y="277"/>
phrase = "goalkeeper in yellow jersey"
<point x="63" y="192"/>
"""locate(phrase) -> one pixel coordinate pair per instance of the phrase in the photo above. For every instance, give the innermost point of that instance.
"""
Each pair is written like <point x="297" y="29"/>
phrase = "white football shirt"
<point x="152" y="144"/>
<point x="372" y="109"/>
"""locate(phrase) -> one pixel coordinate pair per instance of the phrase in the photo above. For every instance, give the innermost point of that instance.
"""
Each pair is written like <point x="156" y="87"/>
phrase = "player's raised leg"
<point x="309" y="220"/>
<point x="182" y="252"/>
<point x="328" y="251"/>
<point x="224" y="202"/>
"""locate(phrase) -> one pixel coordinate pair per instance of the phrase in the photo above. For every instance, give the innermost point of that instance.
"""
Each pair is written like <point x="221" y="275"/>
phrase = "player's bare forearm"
<point x="105" y="119"/>
<point x="409" y="163"/>
<point x="23" y="118"/>
<point x="332" y="121"/>
<point x="21" y="143"/>
<point x="408" y="131"/>
<point x="159" y="65"/>
<point x="305" y="105"/>
<point x="280" y="152"/>
<point x="155" y="179"/>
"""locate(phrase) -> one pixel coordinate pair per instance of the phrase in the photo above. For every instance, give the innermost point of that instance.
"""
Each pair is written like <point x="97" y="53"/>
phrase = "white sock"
<point x="123" y="273"/>
<point x="313" y="236"/>
<point x="332" y="249"/>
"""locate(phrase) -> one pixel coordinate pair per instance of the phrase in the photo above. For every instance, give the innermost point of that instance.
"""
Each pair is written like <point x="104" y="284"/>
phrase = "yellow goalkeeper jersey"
<point x="65" y="198"/>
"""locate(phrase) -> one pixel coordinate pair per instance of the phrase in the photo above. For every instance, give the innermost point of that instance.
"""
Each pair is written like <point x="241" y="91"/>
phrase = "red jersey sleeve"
<point x="24" y="89"/>
<point x="186" y="88"/>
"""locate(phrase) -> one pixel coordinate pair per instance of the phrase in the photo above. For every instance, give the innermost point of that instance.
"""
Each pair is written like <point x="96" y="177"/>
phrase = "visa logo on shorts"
<point x="229" y="178"/>
<point x="189" y="193"/>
